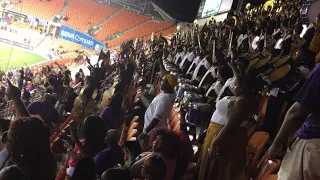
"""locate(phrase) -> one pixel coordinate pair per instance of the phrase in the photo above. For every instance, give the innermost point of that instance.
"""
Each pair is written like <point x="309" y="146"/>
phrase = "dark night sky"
<point x="186" y="10"/>
<point x="183" y="10"/>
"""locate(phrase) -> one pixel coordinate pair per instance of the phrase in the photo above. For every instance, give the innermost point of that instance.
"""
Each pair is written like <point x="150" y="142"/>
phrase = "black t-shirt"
<point x="70" y="101"/>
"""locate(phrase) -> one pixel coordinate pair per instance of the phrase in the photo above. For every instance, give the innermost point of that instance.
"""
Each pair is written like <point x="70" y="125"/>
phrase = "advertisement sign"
<point x="14" y="43"/>
<point x="75" y="36"/>
<point x="15" y="13"/>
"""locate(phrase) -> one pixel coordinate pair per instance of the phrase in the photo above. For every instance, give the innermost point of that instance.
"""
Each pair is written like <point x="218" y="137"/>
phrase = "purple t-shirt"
<point x="108" y="158"/>
<point x="309" y="97"/>
<point x="111" y="122"/>
<point x="47" y="112"/>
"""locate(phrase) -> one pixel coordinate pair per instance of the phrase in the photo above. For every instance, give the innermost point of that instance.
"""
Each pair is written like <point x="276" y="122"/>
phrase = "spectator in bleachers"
<point x="158" y="111"/>
<point x="111" y="156"/>
<point x="4" y="127"/>
<point x="12" y="173"/>
<point x="46" y="111"/>
<point x="67" y="104"/>
<point x="241" y="64"/>
<point x="154" y="168"/>
<point x="185" y="156"/>
<point x="221" y="156"/>
<point x="20" y="79"/>
<point x="30" y="86"/>
<point x="92" y="141"/>
<point x="165" y="144"/>
<point x="113" y="115"/>
<point x="302" y="158"/>
<point x="121" y="85"/>
<point x="53" y="85"/>
<point x="28" y="144"/>
<point x="125" y="79"/>
<point x="223" y="74"/>
<point x="81" y="77"/>
<point x="26" y="97"/>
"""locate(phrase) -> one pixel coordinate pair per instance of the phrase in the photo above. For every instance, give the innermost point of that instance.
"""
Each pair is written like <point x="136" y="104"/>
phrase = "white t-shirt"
<point x="188" y="57"/>
<point x="178" y="55"/>
<point x="216" y="87"/>
<point x="195" y="63"/>
<point x="204" y="63"/>
<point x="213" y="70"/>
<point x="185" y="57"/>
<point x="160" y="109"/>
<point x="229" y="84"/>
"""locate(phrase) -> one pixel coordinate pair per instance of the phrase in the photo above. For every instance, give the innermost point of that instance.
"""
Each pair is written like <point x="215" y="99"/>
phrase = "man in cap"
<point x="158" y="111"/>
<point x="160" y="108"/>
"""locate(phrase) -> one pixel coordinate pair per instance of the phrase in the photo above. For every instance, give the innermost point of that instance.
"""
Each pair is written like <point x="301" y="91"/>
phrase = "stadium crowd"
<point x="187" y="109"/>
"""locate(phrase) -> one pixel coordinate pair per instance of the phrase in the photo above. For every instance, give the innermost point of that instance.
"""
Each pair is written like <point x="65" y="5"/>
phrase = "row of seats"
<point x="121" y="22"/>
<point x="81" y="14"/>
<point x="93" y="13"/>
<point x="40" y="9"/>
<point x="142" y="31"/>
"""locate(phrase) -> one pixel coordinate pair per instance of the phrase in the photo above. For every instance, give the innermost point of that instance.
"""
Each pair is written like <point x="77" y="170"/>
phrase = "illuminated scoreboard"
<point x="212" y="7"/>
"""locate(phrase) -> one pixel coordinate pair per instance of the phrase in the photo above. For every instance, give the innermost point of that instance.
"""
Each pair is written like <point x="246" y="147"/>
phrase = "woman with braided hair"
<point x="29" y="148"/>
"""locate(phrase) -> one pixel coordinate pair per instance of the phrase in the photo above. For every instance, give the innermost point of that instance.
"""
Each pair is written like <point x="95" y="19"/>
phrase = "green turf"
<point x="11" y="57"/>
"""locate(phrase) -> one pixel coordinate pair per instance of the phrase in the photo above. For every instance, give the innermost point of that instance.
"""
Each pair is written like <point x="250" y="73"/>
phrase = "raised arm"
<point x="58" y="65"/>
<point x="163" y="70"/>
<point x="14" y="94"/>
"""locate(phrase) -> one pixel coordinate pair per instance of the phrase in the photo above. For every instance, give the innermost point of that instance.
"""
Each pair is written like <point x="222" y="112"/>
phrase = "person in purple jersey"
<point x="302" y="158"/>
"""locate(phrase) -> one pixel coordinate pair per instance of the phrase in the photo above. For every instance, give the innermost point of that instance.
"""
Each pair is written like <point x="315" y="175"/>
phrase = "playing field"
<point x="11" y="57"/>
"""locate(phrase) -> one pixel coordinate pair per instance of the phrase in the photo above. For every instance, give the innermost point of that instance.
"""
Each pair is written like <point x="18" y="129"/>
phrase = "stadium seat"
<point x="262" y="110"/>
<point x="268" y="167"/>
<point x="271" y="177"/>
<point x="62" y="173"/>
<point x="255" y="148"/>
<point x="174" y="121"/>
<point x="44" y="10"/>
<point x="94" y="14"/>
<point x="176" y="128"/>
<point x="123" y="21"/>
<point x="132" y="135"/>
<point x="134" y="119"/>
<point x="133" y="126"/>
<point x="141" y="31"/>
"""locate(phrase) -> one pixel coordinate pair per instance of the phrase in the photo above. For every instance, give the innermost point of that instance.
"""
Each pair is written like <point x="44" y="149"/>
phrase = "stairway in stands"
<point x="64" y="9"/>
<point x="105" y="21"/>
<point x="138" y="25"/>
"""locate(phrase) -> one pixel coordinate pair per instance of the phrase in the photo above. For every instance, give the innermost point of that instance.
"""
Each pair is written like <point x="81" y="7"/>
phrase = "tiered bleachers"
<point x="82" y="14"/>
<point x="141" y="31"/>
<point x="123" y="21"/>
<point x="102" y="13"/>
<point x="43" y="10"/>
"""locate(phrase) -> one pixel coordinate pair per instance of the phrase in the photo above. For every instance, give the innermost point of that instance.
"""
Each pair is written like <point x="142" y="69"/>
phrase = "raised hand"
<point x="13" y="93"/>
